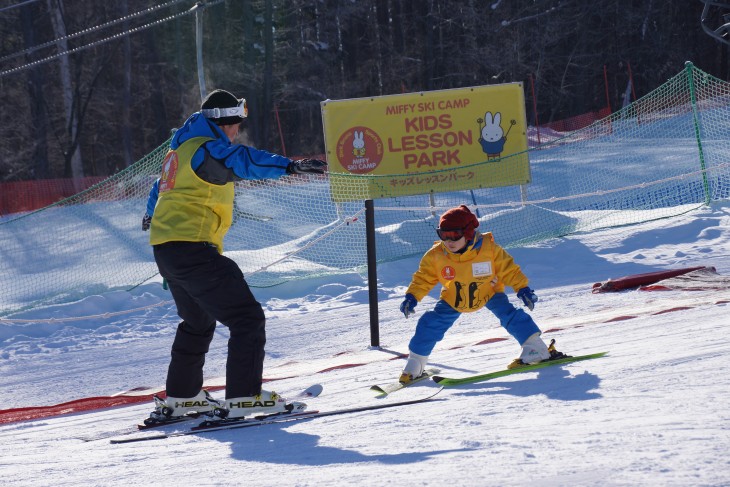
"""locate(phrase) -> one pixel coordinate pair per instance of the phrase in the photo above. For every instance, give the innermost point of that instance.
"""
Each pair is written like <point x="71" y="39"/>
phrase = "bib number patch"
<point x="481" y="269"/>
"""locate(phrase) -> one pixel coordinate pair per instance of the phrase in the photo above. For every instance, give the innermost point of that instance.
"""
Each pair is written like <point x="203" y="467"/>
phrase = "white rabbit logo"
<point x="358" y="144"/>
<point x="493" y="137"/>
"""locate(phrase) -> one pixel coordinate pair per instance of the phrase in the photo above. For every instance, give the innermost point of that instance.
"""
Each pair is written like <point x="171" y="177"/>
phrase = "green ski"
<point x="447" y="381"/>
<point x="386" y="389"/>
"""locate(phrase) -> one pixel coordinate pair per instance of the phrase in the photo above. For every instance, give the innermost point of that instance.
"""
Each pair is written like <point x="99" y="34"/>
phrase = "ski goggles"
<point x="453" y="235"/>
<point x="240" y="110"/>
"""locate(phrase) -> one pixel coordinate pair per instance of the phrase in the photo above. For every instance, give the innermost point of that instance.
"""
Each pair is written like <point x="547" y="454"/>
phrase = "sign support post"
<point x="372" y="273"/>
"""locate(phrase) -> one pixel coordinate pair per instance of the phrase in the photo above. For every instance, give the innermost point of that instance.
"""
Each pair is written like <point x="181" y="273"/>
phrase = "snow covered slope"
<point x="654" y="411"/>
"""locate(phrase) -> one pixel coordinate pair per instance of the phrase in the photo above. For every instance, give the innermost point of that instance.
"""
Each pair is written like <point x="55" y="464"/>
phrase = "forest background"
<point x="132" y="73"/>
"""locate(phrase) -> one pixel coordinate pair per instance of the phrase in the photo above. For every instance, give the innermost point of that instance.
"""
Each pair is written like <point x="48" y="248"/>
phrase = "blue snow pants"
<point x="432" y="325"/>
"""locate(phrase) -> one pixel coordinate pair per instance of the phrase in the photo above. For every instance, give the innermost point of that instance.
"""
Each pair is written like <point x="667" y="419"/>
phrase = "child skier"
<point x="473" y="271"/>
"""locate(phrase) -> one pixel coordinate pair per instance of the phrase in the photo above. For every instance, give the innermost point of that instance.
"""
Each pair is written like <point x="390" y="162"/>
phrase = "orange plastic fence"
<point x="578" y="122"/>
<point x="20" y="196"/>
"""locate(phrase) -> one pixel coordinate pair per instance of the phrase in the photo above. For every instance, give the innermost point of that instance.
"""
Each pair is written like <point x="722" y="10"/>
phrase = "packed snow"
<point x="654" y="411"/>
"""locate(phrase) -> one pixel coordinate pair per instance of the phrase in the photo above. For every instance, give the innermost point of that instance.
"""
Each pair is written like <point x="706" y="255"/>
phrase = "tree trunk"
<point x="268" y="71"/>
<point x="74" y="163"/>
<point x="250" y="75"/>
<point x="126" y="128"/>
<point x="38" y="114"/>
<point x="378" y="48"/>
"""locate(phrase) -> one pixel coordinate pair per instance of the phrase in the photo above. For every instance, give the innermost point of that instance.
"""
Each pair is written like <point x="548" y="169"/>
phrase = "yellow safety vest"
<point x="188" y="208"/>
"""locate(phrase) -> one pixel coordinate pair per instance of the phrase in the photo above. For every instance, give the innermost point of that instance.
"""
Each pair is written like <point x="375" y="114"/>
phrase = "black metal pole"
<point x="372" y="273"/>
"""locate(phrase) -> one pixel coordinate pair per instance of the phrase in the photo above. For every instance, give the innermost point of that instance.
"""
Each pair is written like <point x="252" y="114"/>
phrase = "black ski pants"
<point x="209" y="287"/>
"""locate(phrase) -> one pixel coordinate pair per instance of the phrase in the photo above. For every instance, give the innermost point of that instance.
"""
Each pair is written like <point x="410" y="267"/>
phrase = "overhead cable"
<point x="17" y="5"/>
<point x="91" y="29"/>
<point x="110" y="38"/>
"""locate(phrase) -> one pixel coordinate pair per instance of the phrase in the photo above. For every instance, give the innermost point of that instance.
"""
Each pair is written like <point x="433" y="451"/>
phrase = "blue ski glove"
<point x="528" y="297"/>
<point x="408" y="305"/>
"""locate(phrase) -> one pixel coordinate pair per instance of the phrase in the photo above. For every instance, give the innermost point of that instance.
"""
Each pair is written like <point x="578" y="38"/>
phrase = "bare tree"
<point x="72" y="152"/>
<point x="126" y="75"/>
<point x="38" y="115"/>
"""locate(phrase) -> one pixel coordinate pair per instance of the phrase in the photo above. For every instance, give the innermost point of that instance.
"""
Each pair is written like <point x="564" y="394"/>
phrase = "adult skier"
<point x="189" y="211"/>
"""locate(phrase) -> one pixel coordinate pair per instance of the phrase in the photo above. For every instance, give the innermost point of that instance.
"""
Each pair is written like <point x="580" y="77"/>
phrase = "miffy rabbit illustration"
<point x="493" y="137"/>
<point x="358" y="144"/>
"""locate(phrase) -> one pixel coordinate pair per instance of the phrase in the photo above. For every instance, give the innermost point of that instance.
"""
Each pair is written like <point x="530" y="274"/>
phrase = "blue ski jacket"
<point x="219" y="161"/>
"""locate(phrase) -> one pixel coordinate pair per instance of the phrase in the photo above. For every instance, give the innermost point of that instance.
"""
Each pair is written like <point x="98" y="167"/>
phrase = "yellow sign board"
<point x="433" y="141"/>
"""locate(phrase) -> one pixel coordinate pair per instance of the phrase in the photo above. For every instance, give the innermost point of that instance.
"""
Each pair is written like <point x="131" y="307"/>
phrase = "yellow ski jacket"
<point x="468" y="279"/>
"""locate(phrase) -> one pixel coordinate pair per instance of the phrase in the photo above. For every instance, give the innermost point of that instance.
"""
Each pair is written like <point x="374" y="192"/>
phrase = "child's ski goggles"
<point x="241" y="110"/>
<point x="453" y="235"/>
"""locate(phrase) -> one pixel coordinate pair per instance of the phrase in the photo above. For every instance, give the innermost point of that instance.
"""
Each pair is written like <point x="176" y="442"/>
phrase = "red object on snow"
<point x="637" y="280"/>
<point x="77" y="406"/>
<point x="82" y="405"/>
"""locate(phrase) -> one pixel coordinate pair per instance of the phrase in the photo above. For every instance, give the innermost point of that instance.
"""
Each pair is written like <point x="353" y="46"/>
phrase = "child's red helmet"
<point x="459" y="218"/>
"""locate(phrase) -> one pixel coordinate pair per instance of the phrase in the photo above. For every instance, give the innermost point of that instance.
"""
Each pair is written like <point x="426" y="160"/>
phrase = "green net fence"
<point x="663" y="155"/>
